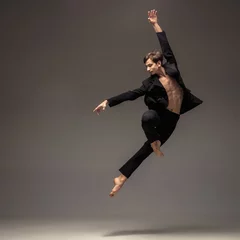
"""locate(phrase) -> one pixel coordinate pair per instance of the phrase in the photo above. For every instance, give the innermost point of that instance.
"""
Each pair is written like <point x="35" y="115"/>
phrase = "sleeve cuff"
<point x="163" y="33"/>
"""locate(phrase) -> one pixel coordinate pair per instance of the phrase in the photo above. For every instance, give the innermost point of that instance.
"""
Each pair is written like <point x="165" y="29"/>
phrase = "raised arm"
<point x="166" y="49"/>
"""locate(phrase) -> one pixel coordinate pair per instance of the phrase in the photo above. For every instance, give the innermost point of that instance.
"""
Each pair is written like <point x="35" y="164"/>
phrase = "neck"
<point x="161" y="72"/>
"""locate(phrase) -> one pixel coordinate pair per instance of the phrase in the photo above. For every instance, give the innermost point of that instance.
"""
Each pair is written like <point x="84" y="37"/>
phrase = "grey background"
<point x="60" y="59"/>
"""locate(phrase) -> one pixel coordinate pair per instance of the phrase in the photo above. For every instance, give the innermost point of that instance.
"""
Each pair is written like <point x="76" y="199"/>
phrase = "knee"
<point x="148" y="116"/>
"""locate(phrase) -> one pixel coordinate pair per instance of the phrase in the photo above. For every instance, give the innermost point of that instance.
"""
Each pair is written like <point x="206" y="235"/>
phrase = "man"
<point x="165" y="95"/>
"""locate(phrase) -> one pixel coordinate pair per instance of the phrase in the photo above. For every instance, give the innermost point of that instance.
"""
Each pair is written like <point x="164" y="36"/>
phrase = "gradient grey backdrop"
<point x="60" y="59"/>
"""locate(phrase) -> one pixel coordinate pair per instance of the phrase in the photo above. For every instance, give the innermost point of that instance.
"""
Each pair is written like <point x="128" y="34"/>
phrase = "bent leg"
<point x="150" y="121"/>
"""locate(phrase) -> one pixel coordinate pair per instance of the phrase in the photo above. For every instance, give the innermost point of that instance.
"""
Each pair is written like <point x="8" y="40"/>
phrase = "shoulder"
<point x="149" y="80"/>
<point x="172" y="69"/>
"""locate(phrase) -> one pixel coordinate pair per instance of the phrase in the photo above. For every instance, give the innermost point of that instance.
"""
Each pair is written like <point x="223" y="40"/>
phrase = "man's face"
<point x="152" y="67"/>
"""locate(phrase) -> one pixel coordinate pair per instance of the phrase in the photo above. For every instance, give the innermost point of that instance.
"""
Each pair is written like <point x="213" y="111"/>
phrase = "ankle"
<point x="122" y="177"/>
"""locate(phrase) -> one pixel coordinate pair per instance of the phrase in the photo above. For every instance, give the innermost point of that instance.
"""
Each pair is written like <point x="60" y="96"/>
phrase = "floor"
<point x="110" y="229"/>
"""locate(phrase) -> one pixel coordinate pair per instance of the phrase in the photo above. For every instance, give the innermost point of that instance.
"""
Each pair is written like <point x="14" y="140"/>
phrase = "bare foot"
<point x="156" y="148"/>
<point x="118" y="182"/>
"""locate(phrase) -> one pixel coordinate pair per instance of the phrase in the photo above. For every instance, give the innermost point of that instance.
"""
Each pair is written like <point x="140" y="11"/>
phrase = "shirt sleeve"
<point x="166" y="48"/>
<point x="127" y="96"/>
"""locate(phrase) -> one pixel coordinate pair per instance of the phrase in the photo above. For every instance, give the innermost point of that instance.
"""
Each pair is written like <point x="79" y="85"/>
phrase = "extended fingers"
<point x="152" y="13"/>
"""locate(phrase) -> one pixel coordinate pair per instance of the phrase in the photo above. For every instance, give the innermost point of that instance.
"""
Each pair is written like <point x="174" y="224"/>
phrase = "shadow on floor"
<point x="175" y="230"/>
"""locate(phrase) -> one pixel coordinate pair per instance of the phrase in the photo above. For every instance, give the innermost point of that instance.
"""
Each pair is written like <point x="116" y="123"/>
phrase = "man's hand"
<point x="152" y="16"/>
<point x="100" y="107"/>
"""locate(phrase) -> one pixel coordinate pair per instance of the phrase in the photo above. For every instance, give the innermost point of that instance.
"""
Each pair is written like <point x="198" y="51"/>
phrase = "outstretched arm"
<point x="166" y="49"/>
<point x="126" y="96"/>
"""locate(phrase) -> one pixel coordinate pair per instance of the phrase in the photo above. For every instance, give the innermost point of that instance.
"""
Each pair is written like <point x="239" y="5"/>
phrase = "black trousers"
<point x="156" y="126"/>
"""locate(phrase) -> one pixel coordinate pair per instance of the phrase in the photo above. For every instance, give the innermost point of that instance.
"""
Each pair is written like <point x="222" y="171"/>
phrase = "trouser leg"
<point x="150" y="122"/>
<point x="134" y="162"/>
<point x="152" y="126"/>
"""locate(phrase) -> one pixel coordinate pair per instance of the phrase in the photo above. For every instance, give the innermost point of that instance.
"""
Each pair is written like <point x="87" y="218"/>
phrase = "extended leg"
<point x="135" y="161"/>
<point x="130" y="166"/>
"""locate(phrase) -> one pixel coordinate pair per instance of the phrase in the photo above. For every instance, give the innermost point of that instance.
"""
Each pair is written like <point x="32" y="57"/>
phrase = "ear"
<point x="159" y="64"/>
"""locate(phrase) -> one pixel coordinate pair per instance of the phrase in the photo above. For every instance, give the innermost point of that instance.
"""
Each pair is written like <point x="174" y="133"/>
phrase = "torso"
<point x="174" y="92"/>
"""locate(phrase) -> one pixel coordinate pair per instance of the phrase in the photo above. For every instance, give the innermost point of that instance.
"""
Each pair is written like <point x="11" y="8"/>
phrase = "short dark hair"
<point x="155" y="56"/>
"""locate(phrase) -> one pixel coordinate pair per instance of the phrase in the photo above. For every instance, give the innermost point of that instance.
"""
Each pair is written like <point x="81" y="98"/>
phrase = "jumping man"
<point x="166" y="97"/>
